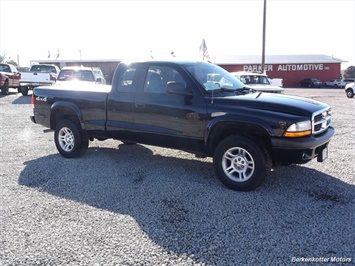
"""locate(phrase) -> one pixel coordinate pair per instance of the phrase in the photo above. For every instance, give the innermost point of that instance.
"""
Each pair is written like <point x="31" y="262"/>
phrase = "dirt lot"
<point x="144" y="205"/>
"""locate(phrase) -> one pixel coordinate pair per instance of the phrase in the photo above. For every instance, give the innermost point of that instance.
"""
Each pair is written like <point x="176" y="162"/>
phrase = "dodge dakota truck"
<point x="196" y="107"/>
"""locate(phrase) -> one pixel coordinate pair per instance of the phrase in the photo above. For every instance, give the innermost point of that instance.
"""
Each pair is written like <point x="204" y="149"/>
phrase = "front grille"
<point x="321" y="121"/>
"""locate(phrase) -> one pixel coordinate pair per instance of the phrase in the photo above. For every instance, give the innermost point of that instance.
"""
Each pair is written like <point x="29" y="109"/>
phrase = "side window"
<point x="158" y="77"/>
<point x="126" y="81"/>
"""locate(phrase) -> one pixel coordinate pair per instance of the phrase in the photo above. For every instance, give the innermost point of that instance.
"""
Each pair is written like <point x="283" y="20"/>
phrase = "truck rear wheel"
<point x="240" y="164"/>
<point x="24" y="90"/>
<point x="5" y="88"/>
<point x="69" y="139"/>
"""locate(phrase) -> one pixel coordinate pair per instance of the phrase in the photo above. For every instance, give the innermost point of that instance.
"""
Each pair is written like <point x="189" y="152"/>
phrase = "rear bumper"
<point x="300" y="150"/>
<point x="32" y="85"/>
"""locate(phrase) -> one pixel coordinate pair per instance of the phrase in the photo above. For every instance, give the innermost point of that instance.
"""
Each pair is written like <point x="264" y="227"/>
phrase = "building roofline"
<point x="228" y="59"/>
<point x="276" y="59"/>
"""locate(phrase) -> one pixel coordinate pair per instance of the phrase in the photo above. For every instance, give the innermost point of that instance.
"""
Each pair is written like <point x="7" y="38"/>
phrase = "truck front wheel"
<point x="240" y="164"/>
<point x="69" y="139"/>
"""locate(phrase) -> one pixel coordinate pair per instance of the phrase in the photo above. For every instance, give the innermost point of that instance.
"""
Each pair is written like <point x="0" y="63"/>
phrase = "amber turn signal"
<point x="297" y="134"/>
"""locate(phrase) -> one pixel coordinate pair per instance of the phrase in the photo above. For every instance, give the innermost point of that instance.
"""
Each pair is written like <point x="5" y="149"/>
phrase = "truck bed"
<point x="89" y="98"/>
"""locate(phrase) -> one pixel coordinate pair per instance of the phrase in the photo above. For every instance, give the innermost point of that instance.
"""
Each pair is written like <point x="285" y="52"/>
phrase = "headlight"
<point x="299" y="129"/>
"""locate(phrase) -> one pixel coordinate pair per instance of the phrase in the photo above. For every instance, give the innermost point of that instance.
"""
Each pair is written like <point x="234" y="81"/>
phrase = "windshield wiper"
<point x="244" y="90"/>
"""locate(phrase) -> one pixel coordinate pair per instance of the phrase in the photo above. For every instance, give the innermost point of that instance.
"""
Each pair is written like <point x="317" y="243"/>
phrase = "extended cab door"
<point x="121" y="101"/>
<point x="169" y="119"/>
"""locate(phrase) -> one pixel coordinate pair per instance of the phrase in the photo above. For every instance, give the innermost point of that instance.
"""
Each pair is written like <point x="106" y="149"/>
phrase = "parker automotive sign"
<point x="284" y="67"/>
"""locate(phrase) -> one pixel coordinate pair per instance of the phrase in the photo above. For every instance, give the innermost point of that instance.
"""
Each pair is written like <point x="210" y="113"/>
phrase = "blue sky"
<point x="132" y="29"/>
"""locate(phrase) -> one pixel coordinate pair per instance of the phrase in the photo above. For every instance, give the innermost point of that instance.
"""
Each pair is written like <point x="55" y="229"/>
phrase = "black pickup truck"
<point x="197" y="107"/>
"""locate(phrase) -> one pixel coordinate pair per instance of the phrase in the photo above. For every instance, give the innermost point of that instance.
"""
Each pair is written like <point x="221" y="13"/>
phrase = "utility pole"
<point x="264" y="33"/>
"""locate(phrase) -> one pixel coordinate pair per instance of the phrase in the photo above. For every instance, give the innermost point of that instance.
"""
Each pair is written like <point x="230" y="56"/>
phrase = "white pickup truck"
<point x="258" y="81"/>
<point x="39" y="75"/>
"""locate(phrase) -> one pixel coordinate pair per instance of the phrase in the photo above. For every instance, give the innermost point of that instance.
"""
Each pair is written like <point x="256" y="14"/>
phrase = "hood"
<point x="273" y="102"/>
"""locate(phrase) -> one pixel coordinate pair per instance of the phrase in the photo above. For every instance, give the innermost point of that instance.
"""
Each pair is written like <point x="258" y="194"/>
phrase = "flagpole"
<point x="263" y="49"/>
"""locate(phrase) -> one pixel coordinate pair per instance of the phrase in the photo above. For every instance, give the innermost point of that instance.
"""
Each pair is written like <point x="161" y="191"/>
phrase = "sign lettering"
<point x="284" y="67"/>
<point x="257" y="68"/>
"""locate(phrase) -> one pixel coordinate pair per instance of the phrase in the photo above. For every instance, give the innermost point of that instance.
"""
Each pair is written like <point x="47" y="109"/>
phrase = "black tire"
<point x="240" y="164"/>
<point x="70" y="140"/>
<point x="5" y="88"/>
<point x="349" y="93"/>
<point x="24" y="90"/>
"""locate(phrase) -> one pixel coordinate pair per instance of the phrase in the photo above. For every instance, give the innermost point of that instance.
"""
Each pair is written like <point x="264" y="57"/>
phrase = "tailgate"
<point x="35" y="77"/>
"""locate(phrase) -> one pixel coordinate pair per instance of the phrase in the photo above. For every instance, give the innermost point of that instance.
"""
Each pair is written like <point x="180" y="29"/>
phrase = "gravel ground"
<point x="144" y="205"/>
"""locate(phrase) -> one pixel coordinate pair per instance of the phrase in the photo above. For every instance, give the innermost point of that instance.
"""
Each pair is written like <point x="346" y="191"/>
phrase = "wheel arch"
<point x="66" y="110"/>
<point x="252" y="131"/>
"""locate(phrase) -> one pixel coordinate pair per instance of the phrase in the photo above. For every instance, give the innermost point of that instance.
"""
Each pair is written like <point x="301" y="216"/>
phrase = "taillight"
<point x="33" y="99"/>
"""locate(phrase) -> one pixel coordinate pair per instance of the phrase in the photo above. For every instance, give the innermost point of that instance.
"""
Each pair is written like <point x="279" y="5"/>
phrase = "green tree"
<point x="349" y="72"/>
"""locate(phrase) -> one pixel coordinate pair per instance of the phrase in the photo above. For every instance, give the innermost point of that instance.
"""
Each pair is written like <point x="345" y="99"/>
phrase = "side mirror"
<point x="98" y="81"/>
<point x="179" y="88"/>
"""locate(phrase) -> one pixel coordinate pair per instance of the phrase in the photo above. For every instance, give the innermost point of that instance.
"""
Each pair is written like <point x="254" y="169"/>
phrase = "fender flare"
<point x="217" y="124"/>
<point x="66" y="109"/>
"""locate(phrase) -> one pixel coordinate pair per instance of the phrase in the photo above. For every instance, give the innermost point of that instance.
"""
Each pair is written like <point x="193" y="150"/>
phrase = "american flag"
<point x="204" y="50"/>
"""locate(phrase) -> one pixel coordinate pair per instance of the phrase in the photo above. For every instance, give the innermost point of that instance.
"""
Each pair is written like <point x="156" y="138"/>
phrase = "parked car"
<point x="336" y="83"/>
<point x="310" y="83"/>
<point x="257" y="81"/>
<point x="80" y="73"/>
<point x="350" y="90"/>
<point x="9" y="78"/>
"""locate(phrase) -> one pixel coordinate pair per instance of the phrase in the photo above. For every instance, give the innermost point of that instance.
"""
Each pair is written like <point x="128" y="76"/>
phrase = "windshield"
<point x="213" y="77"/>
<point x="85" y="75"/>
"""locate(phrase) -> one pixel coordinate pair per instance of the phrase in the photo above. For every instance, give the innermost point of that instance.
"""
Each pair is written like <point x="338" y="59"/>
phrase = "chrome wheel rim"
<point x="238" y="164"/>
<point x="66" y="139"/>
